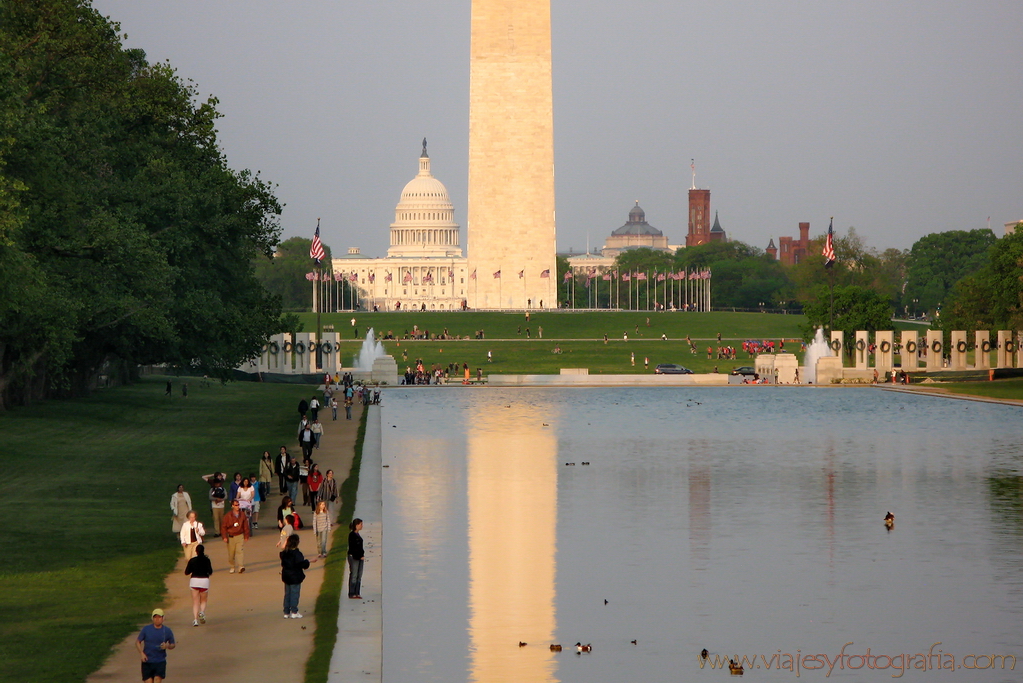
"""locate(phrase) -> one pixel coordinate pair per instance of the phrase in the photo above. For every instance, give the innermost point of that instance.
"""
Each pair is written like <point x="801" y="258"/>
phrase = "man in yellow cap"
<point x="153" y="642"/>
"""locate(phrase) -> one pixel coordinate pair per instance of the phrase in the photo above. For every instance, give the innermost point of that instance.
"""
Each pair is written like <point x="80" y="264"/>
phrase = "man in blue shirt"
<point x="153" y="642"/>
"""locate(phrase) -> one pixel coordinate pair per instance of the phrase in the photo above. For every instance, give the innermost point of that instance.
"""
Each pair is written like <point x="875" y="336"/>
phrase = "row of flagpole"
<point x="682" y="289"/>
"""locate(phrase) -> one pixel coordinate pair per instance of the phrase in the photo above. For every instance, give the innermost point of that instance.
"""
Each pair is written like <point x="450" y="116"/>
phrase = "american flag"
<point x="660" y="277"/>
<point x="372" y="277"/>
<point x="428" y="278"/>
<point x="473" y="276"/>
<point x="592" y="274"/>
<point x="705" y="275"/>
<point x="546" y="273"/>
<point x="626" y="277"/>
<point x="829" y="245"/>
<point x="316" y="248"/>
<point x="451" y="274"/>
<point x="568" y="275"/>
<point x="640" y="276"/>
<point x="694" y="275"/>
<point x="605" y="276"/>
<point x="497" y="275"/>
<point x="338" y="277"/>
<point x="354" y="277"/>
<point x="522" y="274"/>
<point x="408" y="277"/>
<point x="387" y="277"/>
<point x="310" y="276"/>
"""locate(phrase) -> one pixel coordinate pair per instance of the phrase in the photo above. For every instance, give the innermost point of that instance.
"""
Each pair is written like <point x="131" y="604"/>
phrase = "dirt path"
<point x="246" y="637"/>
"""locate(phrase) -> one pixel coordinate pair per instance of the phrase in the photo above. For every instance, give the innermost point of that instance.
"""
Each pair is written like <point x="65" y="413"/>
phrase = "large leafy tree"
<point x="126" y="237"/>
<point x="742" y="275"/>
<point x="856" y="308"/>
<point x="284" y="274"/>
<point x="938" y="261"/>
<point x="991" y="298"/>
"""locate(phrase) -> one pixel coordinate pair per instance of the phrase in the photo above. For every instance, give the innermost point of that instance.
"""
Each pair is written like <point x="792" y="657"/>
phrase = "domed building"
<point x="424" y="268"/>
<point x="635" y="233"/>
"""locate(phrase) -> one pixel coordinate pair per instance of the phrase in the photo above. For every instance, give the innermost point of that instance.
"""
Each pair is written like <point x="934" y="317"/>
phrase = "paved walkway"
<point x="358" y="652"/>
<point x="246" y="637"/>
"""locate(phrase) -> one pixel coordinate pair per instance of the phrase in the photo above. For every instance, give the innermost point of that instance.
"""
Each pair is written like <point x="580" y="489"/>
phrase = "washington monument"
<point x="510" y="229"/>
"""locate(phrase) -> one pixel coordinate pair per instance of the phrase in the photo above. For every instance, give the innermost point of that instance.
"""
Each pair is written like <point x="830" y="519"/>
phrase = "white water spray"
<point x="818" y="348"/>
<point x="371" y="350"/>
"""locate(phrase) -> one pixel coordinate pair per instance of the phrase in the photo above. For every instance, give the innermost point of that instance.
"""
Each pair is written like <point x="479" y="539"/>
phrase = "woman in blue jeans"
<point x="292" y="565"/>
<point x="356" y="558"/>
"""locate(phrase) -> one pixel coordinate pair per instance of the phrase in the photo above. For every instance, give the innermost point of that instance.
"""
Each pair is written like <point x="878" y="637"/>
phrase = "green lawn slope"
<point x="87" y="535"/>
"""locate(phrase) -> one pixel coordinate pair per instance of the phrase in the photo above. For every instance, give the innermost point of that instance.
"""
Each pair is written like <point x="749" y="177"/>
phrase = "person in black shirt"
<point x="199" y="568"/>
<point x="356" y="558"/>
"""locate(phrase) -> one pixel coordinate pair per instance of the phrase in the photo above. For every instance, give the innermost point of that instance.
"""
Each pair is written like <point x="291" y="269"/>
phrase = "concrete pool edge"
<point x="358" y="651"/>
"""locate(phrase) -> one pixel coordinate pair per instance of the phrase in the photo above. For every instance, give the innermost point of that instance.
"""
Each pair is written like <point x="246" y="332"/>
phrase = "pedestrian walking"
<point x="291" y="477"/>
<point x="199" y="568"/>
<point x="279" y="466"/>
<point x="328" y="493"/>
<point x="293" y="564"/>
<point x="314" y="407"/>
<point x="333" y="406"/>
<point x="356" y="560"/>
<point x="218" y="495"/>
<point x="180" y="504"/>
<point x="315" y="480"/>
<point x="317" y="430"/>
<point x="321" y="526"/>
<point x="235" y="530"/>
<point x="152" y="643"/>
<point x="266" y="475"/>
<point x="348" y="407"/>
<point x="191" y="534"/>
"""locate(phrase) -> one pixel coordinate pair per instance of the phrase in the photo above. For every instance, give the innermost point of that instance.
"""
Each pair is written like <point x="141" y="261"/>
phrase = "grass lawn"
<point x="1000" y="388"/>
<point x="578" y="334"/>
<point x="87" y="541"/>
<point x="568" y="324"/>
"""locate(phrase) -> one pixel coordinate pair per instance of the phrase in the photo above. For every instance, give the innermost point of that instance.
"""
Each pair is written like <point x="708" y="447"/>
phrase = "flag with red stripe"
<point x="829" y="245"/>
<point x="316" y="248"/>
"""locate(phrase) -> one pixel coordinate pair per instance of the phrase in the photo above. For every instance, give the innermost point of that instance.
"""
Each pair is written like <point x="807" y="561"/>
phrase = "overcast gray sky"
<point x="898" y="118"/>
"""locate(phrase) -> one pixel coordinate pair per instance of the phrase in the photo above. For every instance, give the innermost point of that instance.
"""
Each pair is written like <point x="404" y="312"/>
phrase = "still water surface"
<point x="746" y="521"/>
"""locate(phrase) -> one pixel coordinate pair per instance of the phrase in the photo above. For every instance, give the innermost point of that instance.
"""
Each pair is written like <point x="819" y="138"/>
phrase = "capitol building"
<point x="424" y="268"/>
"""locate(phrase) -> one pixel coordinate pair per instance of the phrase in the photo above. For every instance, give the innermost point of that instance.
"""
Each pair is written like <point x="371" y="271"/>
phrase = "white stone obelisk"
<point x="511" y="156"/>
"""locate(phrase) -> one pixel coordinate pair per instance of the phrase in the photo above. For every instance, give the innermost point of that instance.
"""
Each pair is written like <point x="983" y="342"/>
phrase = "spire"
<point x="717" y="224"/>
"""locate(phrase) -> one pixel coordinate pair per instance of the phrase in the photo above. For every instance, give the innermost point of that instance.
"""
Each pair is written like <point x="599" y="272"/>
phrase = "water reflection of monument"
<point x="513" y="510"/>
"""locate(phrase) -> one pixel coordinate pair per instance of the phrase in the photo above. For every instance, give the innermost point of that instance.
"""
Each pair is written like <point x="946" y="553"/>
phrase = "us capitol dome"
<point x="424" y="268"/>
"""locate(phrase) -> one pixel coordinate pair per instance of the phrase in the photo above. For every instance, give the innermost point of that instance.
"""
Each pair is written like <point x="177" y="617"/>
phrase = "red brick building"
<point x="699" y="218"/>
<point x="792" y="251"/>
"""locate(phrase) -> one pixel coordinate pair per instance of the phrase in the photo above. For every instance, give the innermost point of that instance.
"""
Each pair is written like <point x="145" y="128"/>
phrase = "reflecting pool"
<point x="743" y="520"/>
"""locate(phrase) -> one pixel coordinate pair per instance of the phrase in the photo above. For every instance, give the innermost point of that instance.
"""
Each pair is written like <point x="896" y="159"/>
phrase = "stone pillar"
<point x="860" y="351"/>
<point x="910" y="347"/>
<point x="829" y="369"/>
<point x="884" y="355"/>
<point x="935" y="350"/>
<point x="840" y="337"/>
<point x="787" y="366"/>
<point x="330" y="355"/>
<point x="304" y="361"/>
<point x="764" y="365"/>
<point x="1016" y="349"/>
<point x="982" y="356"/>
<point x="1002" y="358"/>
<point x="958" y="350"/>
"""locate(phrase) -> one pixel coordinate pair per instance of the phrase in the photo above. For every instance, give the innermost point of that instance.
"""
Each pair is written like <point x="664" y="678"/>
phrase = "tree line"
<point x="125" y="238"/>
<point x="961" y="279"/>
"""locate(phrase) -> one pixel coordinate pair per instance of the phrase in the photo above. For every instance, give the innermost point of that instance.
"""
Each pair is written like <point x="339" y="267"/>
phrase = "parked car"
<point x="746" y="371"/>
<point x="671" y="369"/>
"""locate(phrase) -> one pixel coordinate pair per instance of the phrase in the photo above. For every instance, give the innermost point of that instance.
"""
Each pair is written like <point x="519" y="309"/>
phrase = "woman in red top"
<point x="315" y="478"/>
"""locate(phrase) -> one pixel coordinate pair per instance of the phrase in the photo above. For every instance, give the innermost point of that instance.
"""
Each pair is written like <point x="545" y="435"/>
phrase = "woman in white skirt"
<point x="199" y="568"/>
<point x="180" y="504"/>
